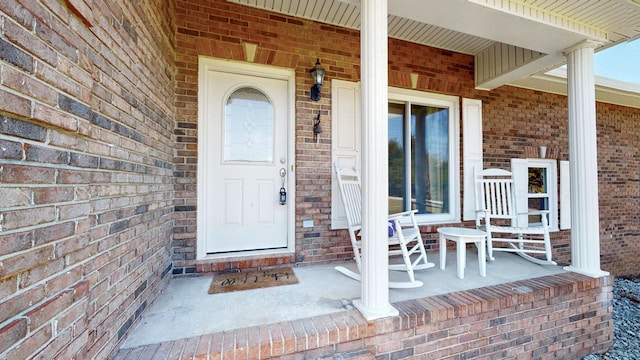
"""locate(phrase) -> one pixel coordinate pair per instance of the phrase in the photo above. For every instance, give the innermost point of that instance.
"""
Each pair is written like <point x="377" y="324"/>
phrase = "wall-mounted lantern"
<point x="317" y="73"/>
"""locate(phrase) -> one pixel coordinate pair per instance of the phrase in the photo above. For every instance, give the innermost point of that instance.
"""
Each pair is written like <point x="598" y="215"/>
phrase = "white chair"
<point x="496" y="214"/>
<point x="406" y="240"/>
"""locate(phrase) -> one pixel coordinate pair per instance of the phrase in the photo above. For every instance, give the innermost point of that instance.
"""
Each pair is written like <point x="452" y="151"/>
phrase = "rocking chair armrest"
<point x="536" y="212"/>
<point x="543" y="216"/>
<point x="402" y="214"/>
<point x="410" y="219"/>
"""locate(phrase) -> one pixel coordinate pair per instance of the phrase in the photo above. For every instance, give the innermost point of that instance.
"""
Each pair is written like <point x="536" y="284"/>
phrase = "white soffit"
<point x="346" y="13"/>
<point x="472" y="26"/>
<point x="610" y="20"/>
<point x="469" y="26"/>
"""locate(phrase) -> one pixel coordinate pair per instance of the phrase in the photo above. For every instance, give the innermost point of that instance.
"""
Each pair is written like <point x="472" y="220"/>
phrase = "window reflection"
<point x="538" y="198"/>
<point x="425" y="160"/>
<point x="536" y="180"/>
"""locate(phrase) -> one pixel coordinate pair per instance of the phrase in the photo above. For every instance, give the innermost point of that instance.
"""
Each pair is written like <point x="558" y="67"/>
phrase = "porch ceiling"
<point x="537" y="30"/>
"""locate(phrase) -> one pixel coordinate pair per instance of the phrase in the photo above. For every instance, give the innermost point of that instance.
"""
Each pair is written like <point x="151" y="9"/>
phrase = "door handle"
<point x="283" y="191"/>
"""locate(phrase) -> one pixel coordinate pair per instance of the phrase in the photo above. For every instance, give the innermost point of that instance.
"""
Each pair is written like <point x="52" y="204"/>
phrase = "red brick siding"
<point x="515" y="123"/>
<point x="86" y="173"/>
<point x="619" y="182"/>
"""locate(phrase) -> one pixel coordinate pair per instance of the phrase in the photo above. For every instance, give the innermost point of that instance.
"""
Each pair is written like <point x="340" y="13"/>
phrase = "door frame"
<point x="206" y="64"/>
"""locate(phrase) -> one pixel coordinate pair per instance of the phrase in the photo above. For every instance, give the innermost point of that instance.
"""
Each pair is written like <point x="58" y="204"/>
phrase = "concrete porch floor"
<point x="185" y="309"/>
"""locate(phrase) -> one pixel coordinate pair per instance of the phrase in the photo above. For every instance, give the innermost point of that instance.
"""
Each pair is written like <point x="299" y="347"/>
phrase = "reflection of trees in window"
<point x="426" y="160"/>
<point x="430" y="155"/>
<point x="396" y="159"/>
<point x="396" y="195"/>
<point x="537" y="186"/>
<point x="536" y="180"/>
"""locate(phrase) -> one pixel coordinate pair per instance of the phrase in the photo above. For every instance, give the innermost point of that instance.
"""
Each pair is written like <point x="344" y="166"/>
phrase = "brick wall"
<point x="218" y="29"/>
<point x="619" y="182"/>
<point x="86" y="172"/>
<point x="558" y="317"/>
<point x="515" y="123"/>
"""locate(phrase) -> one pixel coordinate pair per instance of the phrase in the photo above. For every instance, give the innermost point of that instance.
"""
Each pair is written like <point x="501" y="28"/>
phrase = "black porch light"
<point x="317" y="73"/>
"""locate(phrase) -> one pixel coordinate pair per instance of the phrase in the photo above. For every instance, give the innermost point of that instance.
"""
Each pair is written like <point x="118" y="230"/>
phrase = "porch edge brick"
<point x="435" y="326"/>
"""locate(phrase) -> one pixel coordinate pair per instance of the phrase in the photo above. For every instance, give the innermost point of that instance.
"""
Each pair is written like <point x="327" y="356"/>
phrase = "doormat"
<point x="252" y="280"/>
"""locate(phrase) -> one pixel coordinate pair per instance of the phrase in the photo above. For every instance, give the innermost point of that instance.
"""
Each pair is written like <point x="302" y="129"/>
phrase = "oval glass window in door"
<point x="248" y="127"/>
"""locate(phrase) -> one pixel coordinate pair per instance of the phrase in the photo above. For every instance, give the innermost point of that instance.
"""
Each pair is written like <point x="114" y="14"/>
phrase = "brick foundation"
<point x="564" y="316"/>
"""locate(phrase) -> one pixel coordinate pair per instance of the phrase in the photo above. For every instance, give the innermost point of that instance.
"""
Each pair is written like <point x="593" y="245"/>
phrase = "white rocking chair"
<point x="495" y="200"/>
<point x="406" y="241"/>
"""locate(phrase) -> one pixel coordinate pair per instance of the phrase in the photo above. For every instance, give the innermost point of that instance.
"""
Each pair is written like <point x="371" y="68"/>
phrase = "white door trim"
<point x="206" y="64"/>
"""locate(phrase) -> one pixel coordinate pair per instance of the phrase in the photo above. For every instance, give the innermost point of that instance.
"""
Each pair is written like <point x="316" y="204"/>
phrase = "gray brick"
<point x="75" y="107"/>
<point x="46" y="155"/>
<point x="15" y="56"/>
<point x="19" y="128"/>
<point x="10" y="150"/>
<point x="82" y="160"/>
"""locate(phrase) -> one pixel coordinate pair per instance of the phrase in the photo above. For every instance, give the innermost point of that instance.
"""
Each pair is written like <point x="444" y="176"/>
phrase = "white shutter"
<point x="520" y="172"/>
<point x="345" y="140"/>
<point x="472" y="152"/>
<point x="565" y="195"/>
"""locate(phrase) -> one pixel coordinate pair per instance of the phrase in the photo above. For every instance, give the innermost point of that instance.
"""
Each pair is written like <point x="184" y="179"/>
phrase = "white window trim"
<point x="520" y="169"/>
<point x="451" y="102"/>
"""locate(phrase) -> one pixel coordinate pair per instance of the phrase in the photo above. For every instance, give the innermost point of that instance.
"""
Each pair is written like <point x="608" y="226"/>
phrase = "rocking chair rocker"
<point x="495" y="200"/>
<point x="404" y="241"/>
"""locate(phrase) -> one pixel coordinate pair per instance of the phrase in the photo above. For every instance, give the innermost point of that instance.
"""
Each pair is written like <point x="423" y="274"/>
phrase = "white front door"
<point x="242" y="161"/>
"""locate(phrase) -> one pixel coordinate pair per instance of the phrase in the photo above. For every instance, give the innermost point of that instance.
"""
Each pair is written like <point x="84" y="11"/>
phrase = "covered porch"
<point x="565" y="311"/>
<point x="100" y="156"/>
<point x="564" y="44"/>
<point x="517" y="309"/>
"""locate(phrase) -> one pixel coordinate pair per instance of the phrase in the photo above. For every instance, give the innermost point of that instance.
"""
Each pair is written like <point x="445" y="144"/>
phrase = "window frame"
<point x="551" y="183"/>
<point x="409" y="97"/>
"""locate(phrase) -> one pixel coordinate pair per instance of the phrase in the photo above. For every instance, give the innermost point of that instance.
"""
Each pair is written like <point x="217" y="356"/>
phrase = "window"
<point x="248" y="127"/>
<point x="424" y="132"/>
<point x="536" y="188"/>
<point x="423" y="155"/>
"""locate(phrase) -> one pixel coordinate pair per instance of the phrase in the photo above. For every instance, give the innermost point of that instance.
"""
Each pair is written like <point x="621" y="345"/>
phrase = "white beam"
<point x="505" y="76"/>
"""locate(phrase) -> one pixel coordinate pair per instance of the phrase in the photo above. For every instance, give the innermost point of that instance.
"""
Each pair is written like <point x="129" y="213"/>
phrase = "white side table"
<point x="463" y="236"/>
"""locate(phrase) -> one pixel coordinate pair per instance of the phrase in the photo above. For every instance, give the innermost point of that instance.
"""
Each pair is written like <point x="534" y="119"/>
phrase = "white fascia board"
<point x="607" y="90"/>
<point x="604" y="82"/>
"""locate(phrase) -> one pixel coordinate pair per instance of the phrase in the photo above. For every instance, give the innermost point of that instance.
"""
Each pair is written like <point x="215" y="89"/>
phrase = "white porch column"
<point x="375" y="261"/>
<point x="583" y="156"/>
